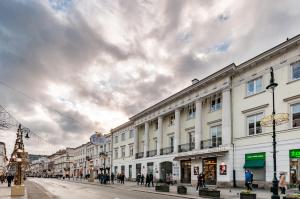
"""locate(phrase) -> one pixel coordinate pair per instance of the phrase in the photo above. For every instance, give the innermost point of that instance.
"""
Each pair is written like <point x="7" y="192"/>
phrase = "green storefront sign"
<point x="295" y="153"/>
<point x="255" y="156"/>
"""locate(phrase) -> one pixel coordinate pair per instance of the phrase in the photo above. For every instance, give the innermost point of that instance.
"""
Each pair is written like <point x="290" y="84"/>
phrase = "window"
<point x="131" y="134"/>
<point x="215" y="102"/>
<point x="253" y="124"/>
<point x="171" y="141"/>
<point x="172" y="120"/>
<point x="104" y="148"/>
<point x="216" y="136"/>
<point x="116" y="153"/>
<point x="109" y="147"/>
<point x="296" y="115"/>
<point x="191" y="137"/>
<point x="155" y="125"/>
<point x="254" y="86"/>
<point x="191" y="111"/>
<point x="123" y="152"/>
<point x="295" y="70"/>
<point x="116" y="139"/>
<point x="123" y="136"/>
<point x="131" y="150"/>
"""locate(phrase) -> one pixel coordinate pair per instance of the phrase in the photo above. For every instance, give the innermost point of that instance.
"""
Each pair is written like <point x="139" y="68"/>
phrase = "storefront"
<point x="255" y="162"/>
<point x="294" y="155"/>
<point x="150" y="167"/>
<point x="210" y="170"/>
<point x="185" y="171"/>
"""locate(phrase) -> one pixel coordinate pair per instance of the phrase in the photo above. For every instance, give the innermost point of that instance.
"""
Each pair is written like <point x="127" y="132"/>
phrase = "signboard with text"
<point x="255" y="156"/>
<point x="295" y="153"/>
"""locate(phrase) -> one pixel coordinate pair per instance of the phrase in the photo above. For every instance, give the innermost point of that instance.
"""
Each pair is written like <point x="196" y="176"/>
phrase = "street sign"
<point x="98" y="139"/>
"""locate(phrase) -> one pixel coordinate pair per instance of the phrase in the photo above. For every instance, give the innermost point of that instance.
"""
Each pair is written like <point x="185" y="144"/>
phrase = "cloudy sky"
<point x="70" y="67"/>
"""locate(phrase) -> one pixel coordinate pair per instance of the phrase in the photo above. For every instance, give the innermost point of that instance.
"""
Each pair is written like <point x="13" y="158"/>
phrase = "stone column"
<point x="136" y="141"/>
<point x="198" y="124"/>
<point x="226" y="117"/>
<point x="159" y="134"/>
<point x="177" y="130"/>
<point x="146" y="139"/>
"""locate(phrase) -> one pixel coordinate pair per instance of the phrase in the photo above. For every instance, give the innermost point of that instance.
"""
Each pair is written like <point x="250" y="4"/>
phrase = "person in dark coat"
<point x="151" y="179"/>
<point x="147" y="181"/>
<point x="10" y="178"/>
<point x="142" y="179"/>
<point x="112" y="176"/>
<point x="138" y="179"/>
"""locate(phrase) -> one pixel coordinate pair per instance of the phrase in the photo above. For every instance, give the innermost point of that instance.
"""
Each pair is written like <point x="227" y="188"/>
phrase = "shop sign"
<point x="295" y="153"/>
<point x="255" y="156"/>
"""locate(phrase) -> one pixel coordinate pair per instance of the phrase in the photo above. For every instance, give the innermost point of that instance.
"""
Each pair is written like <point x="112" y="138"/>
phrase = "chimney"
<point x="194" y="81"/>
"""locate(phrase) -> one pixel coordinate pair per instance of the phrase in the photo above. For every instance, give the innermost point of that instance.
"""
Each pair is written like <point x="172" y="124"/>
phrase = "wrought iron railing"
<point x="151" y="153"/>
<point x="139" y="155"/>
<point x="186" y="147"/>
<point x="167" y="150"/>
<point x="211" y="143"/>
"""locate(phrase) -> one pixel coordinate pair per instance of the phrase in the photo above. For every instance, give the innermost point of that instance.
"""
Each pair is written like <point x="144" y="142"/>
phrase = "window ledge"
<point x="254" y="94"/>
<point x="292" y="81"/>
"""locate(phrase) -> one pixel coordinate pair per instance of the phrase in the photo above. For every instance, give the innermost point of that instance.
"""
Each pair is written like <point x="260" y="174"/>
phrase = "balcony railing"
<point x="211" y="143"/>
<point x="186" y="147"/>
<point x="139" y="155"/>
<point x="167" y="150"/>
<point x="151" y="153"/>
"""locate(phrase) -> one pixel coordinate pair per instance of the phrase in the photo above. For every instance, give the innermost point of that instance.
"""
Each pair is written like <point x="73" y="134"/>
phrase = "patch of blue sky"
<point x="61" y="5"/>
<point x="222" y="47"/>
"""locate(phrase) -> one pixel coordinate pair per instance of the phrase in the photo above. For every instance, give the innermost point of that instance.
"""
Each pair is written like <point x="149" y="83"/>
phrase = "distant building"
<point x="3" y="158"/>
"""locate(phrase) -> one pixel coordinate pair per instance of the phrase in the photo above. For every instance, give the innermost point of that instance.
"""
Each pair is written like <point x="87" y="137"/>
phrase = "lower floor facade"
<point x="223" y="166"/>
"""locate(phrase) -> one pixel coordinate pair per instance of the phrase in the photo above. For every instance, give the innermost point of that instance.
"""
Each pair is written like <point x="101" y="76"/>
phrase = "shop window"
<point x="253" y="124"/>
<point x="296" y="115"/>
<point x="191" y="110"/>
<point x="215" y="102"/>
<point x="254" y="86"/>
<point x="295" y="68"/>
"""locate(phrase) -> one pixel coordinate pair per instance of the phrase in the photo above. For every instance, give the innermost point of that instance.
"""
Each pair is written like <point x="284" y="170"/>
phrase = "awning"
<point x="254" y="164"/>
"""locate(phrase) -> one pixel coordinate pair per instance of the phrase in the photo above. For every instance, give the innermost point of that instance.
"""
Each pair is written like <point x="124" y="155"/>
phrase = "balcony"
<point x="151" y="153"/>
<point x="186" y="147"/>
<point x="139" y="155"/>
<point x="167" y="150"/>
<point x="211" y="143"/>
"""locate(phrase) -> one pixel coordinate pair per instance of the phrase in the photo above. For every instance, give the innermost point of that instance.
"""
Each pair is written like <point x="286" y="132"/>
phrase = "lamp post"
<point x="272" y="87"/>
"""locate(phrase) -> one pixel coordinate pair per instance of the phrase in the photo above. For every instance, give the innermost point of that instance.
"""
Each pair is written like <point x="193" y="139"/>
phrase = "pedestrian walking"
<point x="122" y="178"/>
<point x="138" y="178"/>
<point x="282" y="182"/>
<point x="248" y="180"/>
<point x="147" y="180"/>
<point x="151" y="179"/>
<point x="112" y="176"/>
<point x="10" y="178"/>
<point x="142" y="179"/>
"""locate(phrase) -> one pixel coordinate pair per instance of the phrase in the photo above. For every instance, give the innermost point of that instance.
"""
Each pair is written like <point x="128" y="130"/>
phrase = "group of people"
<point x="282" y="181"/>
<point x="103" y="178"/>
<point x="121" y="178"/>
<point x="141" y="180"/>
<point x="7" y="178"/>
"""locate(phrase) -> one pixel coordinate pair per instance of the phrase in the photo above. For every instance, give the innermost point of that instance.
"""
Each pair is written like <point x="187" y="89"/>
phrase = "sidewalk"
<point x="191" y="191"/>
<point x="5" y="193"/>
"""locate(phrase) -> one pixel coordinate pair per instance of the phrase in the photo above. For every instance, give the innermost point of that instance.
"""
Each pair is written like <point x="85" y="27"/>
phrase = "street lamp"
<point x="273" y="120"/>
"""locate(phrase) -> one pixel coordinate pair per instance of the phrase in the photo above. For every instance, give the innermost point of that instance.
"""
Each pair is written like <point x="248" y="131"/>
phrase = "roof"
<point x="289" y="43"/>
<point x="124" y="125"/>
<point x="217" y="75"/>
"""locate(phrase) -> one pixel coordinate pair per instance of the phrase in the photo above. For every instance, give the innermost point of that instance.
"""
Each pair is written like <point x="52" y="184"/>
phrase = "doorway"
<point x="165" y="170"/>
<point x="210" y="170"/>
<point x="185" y="171"/>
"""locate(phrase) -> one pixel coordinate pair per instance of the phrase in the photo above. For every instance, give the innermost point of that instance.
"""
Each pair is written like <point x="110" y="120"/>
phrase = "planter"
<point x="181" y="190"/>
<point x="247" y="195"/>
<point x="209" y="193"/>
<point x="162" y="188"/>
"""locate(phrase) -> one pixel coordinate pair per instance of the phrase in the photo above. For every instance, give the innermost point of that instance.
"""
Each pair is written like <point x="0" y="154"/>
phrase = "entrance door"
<point x="185" y="171"/>
<point x="210" y="171"/>
<point x="138" y="169"/>
<point x="130" y="172"/>
<point x="166" y="171"/>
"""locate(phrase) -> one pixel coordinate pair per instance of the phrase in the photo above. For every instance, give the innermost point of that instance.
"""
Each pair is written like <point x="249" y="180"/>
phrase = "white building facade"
<point x="3" y="158"/>
<point x="123" y="150"/>
<point x="213" y="126"/>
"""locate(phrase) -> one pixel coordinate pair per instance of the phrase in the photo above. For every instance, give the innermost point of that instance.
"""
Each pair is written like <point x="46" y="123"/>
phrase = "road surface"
<point x="40" y="188"/>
